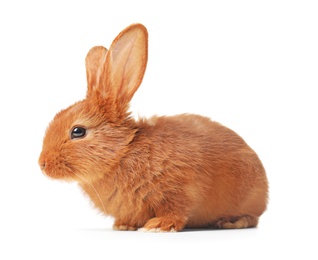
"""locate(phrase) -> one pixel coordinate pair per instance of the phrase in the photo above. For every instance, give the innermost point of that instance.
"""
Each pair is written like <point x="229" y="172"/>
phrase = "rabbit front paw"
<point x="163" y="224"/>
<point x="123" y="226"/>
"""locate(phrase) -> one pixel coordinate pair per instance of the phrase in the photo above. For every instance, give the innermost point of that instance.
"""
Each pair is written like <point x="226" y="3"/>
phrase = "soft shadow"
<point x="100" y="230"/>
<point x="186" y="230"/>
<point x="215" y="229"/>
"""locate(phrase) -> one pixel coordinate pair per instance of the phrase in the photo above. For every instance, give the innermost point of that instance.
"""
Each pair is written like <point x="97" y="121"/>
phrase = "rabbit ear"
<point x="125" y="66"/>
<point x="94" y="61"/>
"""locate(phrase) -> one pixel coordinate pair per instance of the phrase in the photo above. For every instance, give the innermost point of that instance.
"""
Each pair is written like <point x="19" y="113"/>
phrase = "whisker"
<point x="87" y="182"/>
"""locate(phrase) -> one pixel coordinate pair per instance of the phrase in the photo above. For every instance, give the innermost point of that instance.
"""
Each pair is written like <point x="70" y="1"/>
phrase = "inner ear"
<point x="94" y="61"/>
<point x="125" y="65"/>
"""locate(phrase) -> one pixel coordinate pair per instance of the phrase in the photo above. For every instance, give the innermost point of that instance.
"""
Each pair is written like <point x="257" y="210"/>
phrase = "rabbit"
<point x="160" y="174"/>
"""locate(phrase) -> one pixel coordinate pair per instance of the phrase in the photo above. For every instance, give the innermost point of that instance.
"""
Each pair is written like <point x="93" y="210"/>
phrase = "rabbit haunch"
<point x="159" y="174"/>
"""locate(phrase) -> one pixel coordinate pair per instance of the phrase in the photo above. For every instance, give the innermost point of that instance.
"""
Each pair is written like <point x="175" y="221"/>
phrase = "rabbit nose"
<point x="42" y="162"/>
<point x="42" y="166"/>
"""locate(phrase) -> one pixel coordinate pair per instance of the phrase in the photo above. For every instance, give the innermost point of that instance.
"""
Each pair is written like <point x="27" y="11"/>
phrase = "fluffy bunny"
<point x="159" y="174"/>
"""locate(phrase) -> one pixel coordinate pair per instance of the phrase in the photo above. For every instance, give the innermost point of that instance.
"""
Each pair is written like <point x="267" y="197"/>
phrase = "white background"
<point x="251" y="65"/>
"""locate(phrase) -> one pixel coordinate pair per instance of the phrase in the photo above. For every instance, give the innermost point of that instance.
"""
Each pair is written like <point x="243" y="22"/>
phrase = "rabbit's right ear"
<point x="94" y="61"/>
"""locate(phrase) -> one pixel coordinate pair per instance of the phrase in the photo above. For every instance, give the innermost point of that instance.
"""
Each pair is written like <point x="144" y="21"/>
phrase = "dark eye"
<point x="78" y="132"/>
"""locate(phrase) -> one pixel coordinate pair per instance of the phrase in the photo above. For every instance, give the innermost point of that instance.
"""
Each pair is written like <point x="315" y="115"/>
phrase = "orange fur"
<point x="159" y="174"/>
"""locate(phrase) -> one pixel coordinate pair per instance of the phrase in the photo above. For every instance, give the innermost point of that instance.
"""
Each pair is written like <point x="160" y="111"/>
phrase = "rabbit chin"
<point x="60" y="175"/>
<point x="69" y="176"/>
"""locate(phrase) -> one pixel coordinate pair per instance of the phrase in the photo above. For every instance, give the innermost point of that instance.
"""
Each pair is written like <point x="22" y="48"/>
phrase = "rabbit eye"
<point x="78" y="132"/>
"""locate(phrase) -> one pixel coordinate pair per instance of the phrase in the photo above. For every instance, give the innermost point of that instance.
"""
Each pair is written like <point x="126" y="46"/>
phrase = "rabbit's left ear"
<point x="125" y="65"/>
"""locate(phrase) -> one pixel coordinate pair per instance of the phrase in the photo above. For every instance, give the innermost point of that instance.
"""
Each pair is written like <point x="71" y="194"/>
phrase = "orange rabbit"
<point x="159" y="174"/>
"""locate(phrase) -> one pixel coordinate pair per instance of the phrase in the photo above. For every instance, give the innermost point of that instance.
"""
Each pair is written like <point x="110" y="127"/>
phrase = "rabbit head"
<point x="88" y="139"/>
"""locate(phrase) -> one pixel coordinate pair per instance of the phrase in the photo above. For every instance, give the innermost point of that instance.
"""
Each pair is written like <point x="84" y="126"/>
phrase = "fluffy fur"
<point x="160" y="174"/>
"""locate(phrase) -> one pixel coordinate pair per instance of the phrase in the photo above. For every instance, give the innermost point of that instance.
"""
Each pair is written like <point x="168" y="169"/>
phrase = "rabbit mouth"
<point x="56" y="173"/>
<point x="55" y="170"/>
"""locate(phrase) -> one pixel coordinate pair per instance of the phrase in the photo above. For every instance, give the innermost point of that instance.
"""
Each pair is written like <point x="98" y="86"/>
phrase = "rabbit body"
<point x="159" y="174"/>
<point x="184" y="167"/>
